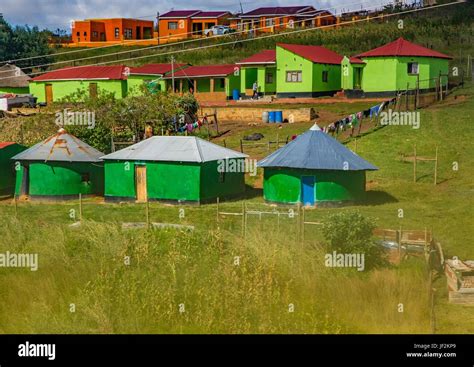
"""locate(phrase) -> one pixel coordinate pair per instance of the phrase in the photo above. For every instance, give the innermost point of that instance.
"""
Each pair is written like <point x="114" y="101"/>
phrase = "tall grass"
<point x="199" y="273"/>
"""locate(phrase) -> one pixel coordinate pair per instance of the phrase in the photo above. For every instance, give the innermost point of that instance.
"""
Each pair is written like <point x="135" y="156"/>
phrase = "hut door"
<point x="307" y="190"/>
<point x="140" y="184"/>
<point x="25" y="181"/>
<point x="48" y="88"/>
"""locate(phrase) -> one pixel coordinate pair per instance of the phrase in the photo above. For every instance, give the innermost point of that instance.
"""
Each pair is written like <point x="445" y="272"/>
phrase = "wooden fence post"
<point x="217" y="210"/>
<point x="436" y="167"/>
<point x="80" y="207"/>
<point x="414" y="163"/>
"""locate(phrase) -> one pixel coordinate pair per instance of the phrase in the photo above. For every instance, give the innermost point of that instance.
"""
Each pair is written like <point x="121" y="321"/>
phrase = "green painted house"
<point x="7" y="168"/>
<point x="150" y="75"/>
<point x="60" y="167"/>
<point x="13" y="80"/>
<point x="57" y="84"/>
<point x="206" y="82"/>
<point x="259" y="68"/>
<point x="307" y="71"/>
<point x="173" y="168"/>
<point x="314" y="169"/>
<point x="395" y="66"/>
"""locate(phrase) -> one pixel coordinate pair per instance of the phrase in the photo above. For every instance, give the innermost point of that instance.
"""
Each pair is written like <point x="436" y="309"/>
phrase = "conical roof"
<point x="174" y="149"/>
<point x="61" y="147"/>
<point x="316" y="150"/>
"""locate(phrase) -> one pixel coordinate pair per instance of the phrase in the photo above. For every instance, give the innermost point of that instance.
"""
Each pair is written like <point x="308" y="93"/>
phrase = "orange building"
<point x="271" y="19"/>
<point x="111" y="30"/>
<point x="179" y="24"/>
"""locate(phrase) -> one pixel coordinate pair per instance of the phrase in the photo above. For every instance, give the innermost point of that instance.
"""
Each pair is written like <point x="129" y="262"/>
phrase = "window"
<point x="78" y="34"/>
<point x="94" y="34"/>
<point x="85" y="34"/>
<point x="173" y="25"/>
<point x="269" y="22"/>
<point x="128" y="33"/>
<point x="269" y="78"/>
<point x="222" y="83"/>
<point x="412" y="68"/>
<point x="325" y="76"/>
<point x="221" y="177"/>
<point x="294" y="76"/>
<point x="117" y="32"/>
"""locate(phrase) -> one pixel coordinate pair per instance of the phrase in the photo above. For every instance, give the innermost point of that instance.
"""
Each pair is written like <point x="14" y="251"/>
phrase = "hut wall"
<point x="214" y="184"/>
<point x="7" y="168"/>
<point x="284" y="185"/>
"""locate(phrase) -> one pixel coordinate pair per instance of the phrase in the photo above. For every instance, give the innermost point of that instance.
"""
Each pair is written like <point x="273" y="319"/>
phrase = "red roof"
<point x="204" y="71"/>
<point x="402" y="47"/>
<point x="155" y="69"/>
<point x="264" y="57"/>
<point x="85" y="72"/>
<point x="318" y="54"/>
<point x="356" y="60"/>
<point x="279" y="10"/>
<point x="211" y="14"/>
<point x="6" y="144"/>
<point x="180" y="13"/>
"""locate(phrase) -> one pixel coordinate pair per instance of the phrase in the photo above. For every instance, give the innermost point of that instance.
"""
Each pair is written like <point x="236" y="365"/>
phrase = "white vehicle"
<point x="218" y="30"/>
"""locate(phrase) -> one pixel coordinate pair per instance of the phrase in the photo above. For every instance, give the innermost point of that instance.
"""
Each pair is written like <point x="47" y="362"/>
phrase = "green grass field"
<point x="178" y="282"/>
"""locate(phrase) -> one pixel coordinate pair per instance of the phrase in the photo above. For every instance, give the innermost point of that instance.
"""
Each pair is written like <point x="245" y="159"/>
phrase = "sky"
<point x="54" y="14"/>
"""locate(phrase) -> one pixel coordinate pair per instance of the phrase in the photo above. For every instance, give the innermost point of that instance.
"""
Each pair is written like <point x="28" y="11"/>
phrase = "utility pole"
<point x="158" y="26"/>
<point x="172" y="73"/>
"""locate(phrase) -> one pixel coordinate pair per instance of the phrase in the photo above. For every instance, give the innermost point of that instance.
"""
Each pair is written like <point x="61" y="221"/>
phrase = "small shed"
<point x="59" y="167"/>
<point x="173" y="168"/>
<point x="314" y="168"/>
<point x="7" y="169"/>
<point x="13" y="80"/>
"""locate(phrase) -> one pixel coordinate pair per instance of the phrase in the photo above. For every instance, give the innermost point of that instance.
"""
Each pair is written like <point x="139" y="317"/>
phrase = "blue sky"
<point x="55" y="14"/>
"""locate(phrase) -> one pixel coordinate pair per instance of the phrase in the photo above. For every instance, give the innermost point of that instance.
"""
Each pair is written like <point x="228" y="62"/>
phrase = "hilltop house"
<point x="307" y="71"/>
<point x="395" y="66"/>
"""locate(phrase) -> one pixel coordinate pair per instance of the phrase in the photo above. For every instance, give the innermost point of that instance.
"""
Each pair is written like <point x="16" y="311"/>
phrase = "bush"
<point x="351" y="232"/>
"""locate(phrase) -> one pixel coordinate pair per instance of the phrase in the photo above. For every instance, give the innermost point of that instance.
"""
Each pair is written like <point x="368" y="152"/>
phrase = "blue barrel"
<point x="235" y="94"/>
<point x="279" y="117"/>
<point x="271" y="116"/>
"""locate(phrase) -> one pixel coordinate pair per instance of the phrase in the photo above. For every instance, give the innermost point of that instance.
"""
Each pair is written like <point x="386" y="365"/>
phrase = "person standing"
<point x="255" y="90"/>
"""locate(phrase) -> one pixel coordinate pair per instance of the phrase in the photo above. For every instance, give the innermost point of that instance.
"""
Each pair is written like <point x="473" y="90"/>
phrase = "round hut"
<point x="60" y="167"/>
<point x="314" y="169"/>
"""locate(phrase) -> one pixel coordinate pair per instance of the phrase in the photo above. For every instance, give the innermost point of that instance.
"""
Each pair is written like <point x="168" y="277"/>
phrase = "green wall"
<point x="233" y="82"/>
<point x="284" y="185"/>
<point x="382" y="74"/>
<point x="6" y="90"/>
<point x="195" y="182"/>
<point x="257" y="73"/>
<point x="311" y="78"/>
<point x="63" y="89"/>
<point x="7" y="168"/>
<point x="61" y="178"/>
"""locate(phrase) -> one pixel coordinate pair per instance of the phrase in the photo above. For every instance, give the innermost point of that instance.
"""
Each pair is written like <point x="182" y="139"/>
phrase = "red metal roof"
<point x="264" y="57"/>
<point x="203" y="71"/>
<point x="401" y="47"/>
<point x="211" y="14"/>
<point x="155" y="69"/>
<point x="84" y="73"/>
<point x="318" y="54"/>
<point x="180" y="13"/>
<point x="279" y="10"/>
<point x="6" y="144"/>
<point x="356" y="60"/>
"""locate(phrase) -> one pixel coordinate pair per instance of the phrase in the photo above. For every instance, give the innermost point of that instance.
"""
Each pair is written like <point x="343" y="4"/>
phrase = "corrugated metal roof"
<point x="211" y="14"/>
<point x="356" y="60"/>
<point x="13" y="77"/>
<point x="279" y="10"/>
<point x="263" y="57"/>
<point x="401" y="47"/>
<point x="318" y="54"/>
<point x="203" y="71"/>
<point x="85" y="73"/>
<point x="180" y="14"/>
<point x="316" y="150"/>
<point x="174" y="149"/>
<point x="154" y="69"/>
<point x="61" y="147"/>
<point x="6" y="144"/>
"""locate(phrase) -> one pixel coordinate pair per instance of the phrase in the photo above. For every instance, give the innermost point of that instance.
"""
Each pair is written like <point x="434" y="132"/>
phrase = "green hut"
<point x="307" y="71"/>
<point x="7" y="169"/>
<point x="13" y="80"/>
<point x="60" y="167"/>
<point x="314" y="169"/>
<point x="173" y="168"/>
<point x="397" y="66"/>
